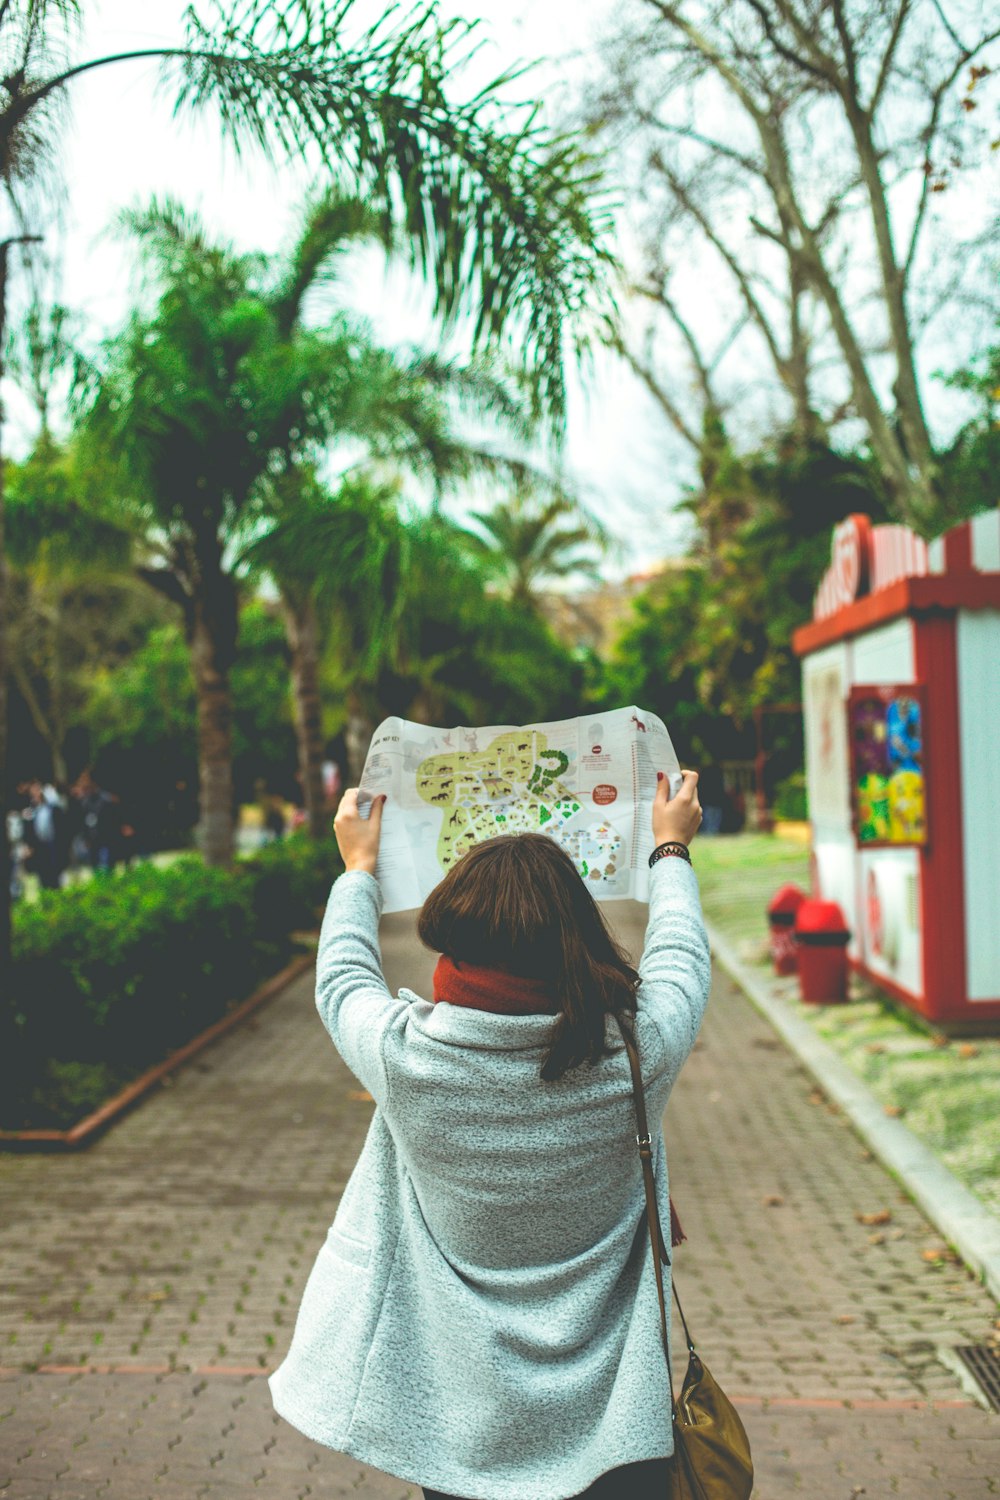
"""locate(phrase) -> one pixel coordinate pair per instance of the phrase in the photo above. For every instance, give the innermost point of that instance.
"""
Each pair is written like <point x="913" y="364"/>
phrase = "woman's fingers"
<point x="375" y="816"/>
<point x="689" y="785"/>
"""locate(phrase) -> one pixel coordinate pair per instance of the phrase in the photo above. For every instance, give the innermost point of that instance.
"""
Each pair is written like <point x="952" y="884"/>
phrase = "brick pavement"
<point x="167" y="1263"/>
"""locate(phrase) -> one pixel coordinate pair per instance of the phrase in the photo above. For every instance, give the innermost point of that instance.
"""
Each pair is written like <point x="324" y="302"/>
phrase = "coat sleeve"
<point x="351" y="994"/>
<point x="676" y="966"/>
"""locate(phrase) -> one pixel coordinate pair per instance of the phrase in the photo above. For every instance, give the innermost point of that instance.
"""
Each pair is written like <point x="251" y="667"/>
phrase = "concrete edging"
<point x="86" y="1130"/>
<point x="957" y="1213"/>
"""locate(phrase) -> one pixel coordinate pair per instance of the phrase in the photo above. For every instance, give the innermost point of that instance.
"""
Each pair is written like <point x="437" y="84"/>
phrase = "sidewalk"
<point x="149" y="1284"/>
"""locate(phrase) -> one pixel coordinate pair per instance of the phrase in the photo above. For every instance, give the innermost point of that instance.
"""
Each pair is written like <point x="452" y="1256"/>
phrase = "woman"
<point x="482" y="1320"/>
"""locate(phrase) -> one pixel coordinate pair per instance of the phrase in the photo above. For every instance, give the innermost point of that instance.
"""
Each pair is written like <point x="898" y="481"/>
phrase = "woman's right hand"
<point x="677" y="819"/>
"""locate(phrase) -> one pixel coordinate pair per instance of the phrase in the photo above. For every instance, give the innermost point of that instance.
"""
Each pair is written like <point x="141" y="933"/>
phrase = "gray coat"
<point x="482" y="1318"/>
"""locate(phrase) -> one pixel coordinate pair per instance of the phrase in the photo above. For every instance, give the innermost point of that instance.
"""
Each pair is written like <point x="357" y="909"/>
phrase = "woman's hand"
<point x="358" y="837"/>
<point x="676" y="820"/>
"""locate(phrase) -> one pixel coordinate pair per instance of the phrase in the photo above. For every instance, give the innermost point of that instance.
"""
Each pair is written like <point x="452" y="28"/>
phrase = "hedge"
<point x="112" y="975"/>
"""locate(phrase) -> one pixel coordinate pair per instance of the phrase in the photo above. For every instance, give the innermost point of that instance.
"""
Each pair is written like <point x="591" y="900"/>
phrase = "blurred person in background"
<point x="98" y="823"/>
<point x="46" y="833"/>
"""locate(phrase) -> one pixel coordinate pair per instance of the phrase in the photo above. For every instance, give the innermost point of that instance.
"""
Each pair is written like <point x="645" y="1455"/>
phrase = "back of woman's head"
<point x="517" y="903"/>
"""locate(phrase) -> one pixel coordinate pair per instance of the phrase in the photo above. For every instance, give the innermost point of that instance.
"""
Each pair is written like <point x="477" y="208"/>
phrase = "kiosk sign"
<point x="886" y="731"/>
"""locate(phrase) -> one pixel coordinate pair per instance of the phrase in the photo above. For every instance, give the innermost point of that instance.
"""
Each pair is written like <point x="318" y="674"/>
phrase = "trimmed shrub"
<point x="112" y="975"/>
<point x="790" y="800"/>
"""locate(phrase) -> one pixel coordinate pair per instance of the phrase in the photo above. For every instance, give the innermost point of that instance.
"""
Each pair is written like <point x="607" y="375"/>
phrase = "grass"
<point x="947" y="1091"/>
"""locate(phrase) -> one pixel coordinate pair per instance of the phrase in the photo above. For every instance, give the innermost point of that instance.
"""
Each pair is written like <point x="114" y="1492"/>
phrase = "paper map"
<point x="588" y="783"/>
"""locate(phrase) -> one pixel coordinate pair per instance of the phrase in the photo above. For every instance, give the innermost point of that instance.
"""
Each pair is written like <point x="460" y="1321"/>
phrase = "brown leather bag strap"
<point x="656" y="1242"/>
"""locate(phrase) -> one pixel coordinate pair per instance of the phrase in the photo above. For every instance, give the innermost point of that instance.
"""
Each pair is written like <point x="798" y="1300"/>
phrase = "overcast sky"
<point x="122" y="146"/>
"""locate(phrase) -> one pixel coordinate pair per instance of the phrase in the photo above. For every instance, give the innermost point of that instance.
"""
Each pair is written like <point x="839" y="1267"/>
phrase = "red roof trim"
<point x="904" y="597"/>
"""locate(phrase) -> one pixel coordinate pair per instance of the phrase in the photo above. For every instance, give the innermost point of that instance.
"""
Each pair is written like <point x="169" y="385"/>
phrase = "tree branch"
<point x="939" y="9"/>
<point x="821" y="68"/>
<point x="736" y="270"/>
<point x="927" y="136"/>
<point x="850" y="58"/>
<point x="669" y="408"/>
<point x="887" y="57"/>
<point x="729" y="153"/>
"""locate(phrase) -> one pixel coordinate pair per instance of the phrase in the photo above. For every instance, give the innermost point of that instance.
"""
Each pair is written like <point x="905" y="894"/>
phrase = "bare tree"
<point x="803" y="143"/>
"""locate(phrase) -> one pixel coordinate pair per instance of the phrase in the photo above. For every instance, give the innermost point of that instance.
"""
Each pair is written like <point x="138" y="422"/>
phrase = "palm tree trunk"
<point x="303" y="638"/>
<point x="358" y="734"/>
<point x="213" y="646"/>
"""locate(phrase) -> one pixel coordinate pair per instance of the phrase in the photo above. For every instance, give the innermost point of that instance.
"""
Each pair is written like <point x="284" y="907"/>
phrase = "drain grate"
<point x="983" y="1364"/>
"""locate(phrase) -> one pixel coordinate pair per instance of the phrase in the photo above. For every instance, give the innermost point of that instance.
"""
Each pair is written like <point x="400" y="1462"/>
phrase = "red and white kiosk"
<point x="901" y="693"/>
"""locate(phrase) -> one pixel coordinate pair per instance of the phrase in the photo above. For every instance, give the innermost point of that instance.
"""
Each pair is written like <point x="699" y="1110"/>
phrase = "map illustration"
<point x="587" y="783"/>
<point x="518" y="785"/>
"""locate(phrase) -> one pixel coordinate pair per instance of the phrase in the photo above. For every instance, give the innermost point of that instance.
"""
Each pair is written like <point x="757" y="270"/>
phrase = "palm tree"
<point x="339" y="561"/>
<point x="533" y="538"/>
<point x="497" y="213"/>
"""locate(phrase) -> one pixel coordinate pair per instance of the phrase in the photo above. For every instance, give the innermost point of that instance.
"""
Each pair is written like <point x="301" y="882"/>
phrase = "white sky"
<point x="122" y="146"/>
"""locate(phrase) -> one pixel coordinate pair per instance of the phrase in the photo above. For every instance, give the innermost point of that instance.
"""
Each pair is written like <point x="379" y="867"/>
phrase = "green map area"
<point x="518" y="785"/>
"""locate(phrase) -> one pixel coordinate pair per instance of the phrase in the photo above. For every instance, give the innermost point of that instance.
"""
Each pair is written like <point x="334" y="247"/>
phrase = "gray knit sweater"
<point x="482" y="1318"/>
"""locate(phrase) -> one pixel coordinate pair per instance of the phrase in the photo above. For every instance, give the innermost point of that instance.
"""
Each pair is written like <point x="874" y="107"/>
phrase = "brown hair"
<point x="517" y="903"/>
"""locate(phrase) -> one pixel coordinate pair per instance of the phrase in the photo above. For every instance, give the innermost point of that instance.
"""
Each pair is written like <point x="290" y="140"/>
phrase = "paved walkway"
<point x="148" y="1284"/>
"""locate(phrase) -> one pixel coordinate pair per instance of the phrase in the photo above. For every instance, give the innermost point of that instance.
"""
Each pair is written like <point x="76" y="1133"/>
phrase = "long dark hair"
<point x="517" y="903"/>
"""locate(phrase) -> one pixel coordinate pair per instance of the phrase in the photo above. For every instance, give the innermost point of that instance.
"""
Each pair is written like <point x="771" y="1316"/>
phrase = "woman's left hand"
<point x="358" y="837"/>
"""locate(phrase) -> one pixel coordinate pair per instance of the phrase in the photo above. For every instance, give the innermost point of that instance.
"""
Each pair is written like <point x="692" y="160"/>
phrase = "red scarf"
<point x="494" y="990"/>
<point x="506" y="994"/>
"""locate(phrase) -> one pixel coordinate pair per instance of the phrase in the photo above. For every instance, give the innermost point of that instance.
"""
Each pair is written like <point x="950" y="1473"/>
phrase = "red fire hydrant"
<point x="821" y="938"/>
<point x="781" y="913"/>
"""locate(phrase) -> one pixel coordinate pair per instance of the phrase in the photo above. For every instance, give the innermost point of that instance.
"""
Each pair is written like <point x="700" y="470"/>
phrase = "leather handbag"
<point x="711" y="1459"/>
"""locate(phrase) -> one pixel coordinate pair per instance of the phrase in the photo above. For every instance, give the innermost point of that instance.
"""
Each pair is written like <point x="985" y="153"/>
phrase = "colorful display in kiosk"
<point x="886" y="734"/>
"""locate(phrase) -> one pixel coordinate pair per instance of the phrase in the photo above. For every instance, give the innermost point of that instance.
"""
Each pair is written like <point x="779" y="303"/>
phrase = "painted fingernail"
<point x="659" y="775"/>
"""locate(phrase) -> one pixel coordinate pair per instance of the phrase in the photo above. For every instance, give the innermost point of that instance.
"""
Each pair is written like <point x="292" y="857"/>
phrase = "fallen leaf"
<point x="937" y="1255"/>
<point x="360" y="1096"/>
<point x="881" y="1216"/>
<point x="878" y="1238"/>
<point x="893" y="1110"/>
<point x="875" y="1047"/>
<point x="939" y="1039"/>
<point x="968" y="1050"/>
<point x="773" y="1200"/>
<point x="817" y="1097"/>
<point x="845" y="1318"/>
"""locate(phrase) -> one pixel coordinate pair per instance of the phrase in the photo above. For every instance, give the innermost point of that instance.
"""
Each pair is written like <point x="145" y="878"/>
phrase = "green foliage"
<point x="790" y="800"/>
<point x="126" y="967"/>
<point x="460" y="653"/>
<point x="291" y="880"/>
<point x="141" y="718"/>
<point x="263" y="735"/>
<point x="529" y="541"/>
<point x="111" y="975"/>
<point x="710" y="642"/>
<point x="970" y="469"/>
<point x="497" y="211"/>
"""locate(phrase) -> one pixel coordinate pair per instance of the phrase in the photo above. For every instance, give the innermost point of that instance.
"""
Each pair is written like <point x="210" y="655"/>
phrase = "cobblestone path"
<point x="148" y="1284"/>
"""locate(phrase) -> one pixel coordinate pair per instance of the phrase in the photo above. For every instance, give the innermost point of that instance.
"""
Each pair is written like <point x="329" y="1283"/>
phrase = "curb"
<point x="954" y="1211"/>
<point x="86" y="1130"/>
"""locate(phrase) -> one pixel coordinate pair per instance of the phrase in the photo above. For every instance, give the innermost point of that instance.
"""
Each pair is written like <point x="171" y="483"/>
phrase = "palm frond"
<point x="504" y="221"/>
<point x="333" y="222"/>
